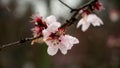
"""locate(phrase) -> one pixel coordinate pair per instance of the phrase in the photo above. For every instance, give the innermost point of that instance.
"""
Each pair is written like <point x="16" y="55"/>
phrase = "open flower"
<point x="88" y="19"/>
<point x="56" y="39"/>
<point x="40" y="25"/>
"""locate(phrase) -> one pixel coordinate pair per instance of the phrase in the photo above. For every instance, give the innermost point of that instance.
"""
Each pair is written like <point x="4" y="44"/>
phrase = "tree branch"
<point x="18" y="42"/>
<point x="68" y="23"/>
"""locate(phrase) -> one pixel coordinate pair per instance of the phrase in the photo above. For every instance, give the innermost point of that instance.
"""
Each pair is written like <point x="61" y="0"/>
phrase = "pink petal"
<point x="80" y="23"/>
<point x="68" y="41"/>
<point x="52" y="50"/>
<point x="85" y="26"/>
<point x="50" y="20"/>
<point x="53" y="27"/>
<point x="65" y="41"/>
<point x="94" y="20"/>
<point x="45" y="34"/>
<point x="63" y="49"/>
<point x="72" y="41"/>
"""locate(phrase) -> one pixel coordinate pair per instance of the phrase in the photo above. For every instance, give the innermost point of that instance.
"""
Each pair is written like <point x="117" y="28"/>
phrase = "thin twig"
<point x="66" y="5"/>
<point x="18" y="42"/>
<point x="68" y="23"/>
<point x="73" y="19"/>
<point x="85" y="5"/>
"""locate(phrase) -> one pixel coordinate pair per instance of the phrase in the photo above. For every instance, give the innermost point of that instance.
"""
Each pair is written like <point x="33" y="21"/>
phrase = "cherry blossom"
<point x="54" y="35"/>
<point x="87" y="19"/>
<point x="40" y="25"/>
<point x="56" y="39"/>
<point x="50" y="31"/>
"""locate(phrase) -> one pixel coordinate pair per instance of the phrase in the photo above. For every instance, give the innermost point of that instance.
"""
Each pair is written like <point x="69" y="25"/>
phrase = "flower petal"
<point x="99" y="20"/>
<point x="45" y="34"/>
<point x="50" y="20"/>
<point x="53" y="27"/>
<point x="52" y="50"/>
<point x="80" y="23"/>
<point x="65" y="41"/>
<point x="68" y="41"/>
<point x="72" y="40"/>
<point x="84" y="23"/>
<point x="63" y="49"/>
<point x="94" y="20"/>
<point x="85" y="26"/>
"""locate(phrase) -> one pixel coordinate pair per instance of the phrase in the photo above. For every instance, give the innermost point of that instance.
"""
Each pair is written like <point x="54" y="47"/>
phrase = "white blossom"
<point x="89" y="19"/>
<point x="57" y="40"/>
<point x="66" y="42"/>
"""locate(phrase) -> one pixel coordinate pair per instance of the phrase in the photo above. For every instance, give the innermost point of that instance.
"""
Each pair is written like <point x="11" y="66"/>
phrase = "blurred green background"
<point x="99" y="46"/>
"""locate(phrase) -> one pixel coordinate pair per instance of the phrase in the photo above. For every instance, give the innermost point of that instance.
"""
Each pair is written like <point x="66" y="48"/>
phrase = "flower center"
<point x="55" y="37"/>
<point x="55" y="42"/>
<point x="39" y="22"/>
<point x="42" y="24"/>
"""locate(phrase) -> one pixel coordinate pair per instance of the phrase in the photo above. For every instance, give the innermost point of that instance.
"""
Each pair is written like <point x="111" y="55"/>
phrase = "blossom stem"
<point x="68" y="23"/>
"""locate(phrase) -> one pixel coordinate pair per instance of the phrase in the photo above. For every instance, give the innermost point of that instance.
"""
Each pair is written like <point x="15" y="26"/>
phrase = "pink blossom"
<point x="40" y="25"/>
<point x="56" y="39"/>
<point x="97" y="6"/>
<point x="88" y="19"/>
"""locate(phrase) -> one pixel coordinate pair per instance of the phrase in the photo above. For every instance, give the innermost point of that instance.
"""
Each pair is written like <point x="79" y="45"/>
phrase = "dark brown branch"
<point x="68" y="23"/>
<point x="18" y="42"/>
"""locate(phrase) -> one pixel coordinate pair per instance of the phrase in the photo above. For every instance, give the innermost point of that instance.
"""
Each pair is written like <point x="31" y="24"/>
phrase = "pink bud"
<point x="98" y="6"/>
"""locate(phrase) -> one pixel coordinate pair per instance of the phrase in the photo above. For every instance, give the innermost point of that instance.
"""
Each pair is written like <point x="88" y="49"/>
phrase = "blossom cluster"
<point x="51" y="31"/>
<point x="52" y="35"/>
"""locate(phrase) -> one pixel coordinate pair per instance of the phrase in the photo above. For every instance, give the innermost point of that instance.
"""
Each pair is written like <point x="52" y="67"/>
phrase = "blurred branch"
<point x="85" y="5"/>
<point x="18" y="42"/>
<point x="66" y="5"/>
<point x="68" y="23"/>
